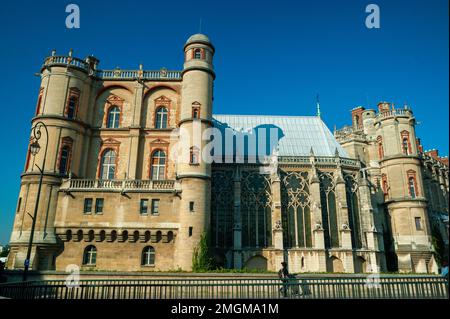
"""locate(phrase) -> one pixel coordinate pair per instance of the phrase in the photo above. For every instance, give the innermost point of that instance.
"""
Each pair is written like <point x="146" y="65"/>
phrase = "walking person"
<point x="283" y="274"/>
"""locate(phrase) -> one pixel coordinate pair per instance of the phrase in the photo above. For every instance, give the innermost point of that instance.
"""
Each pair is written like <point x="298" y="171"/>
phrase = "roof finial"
<point x="336" y="152"/>
<point x="318" y="105"/>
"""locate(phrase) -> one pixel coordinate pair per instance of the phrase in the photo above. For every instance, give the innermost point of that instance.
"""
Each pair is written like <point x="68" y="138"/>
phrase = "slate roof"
<point x="296" y="134"/>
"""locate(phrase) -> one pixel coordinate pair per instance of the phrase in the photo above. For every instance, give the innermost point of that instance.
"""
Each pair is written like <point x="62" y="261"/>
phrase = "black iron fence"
<point x="373" y="286"/>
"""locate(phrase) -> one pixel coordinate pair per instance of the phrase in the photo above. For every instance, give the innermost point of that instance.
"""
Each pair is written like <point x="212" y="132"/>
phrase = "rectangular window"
<point x="191" y="207"/>
<point x="87" y="206"/>
<point x="144" y="207"/>
<point x="99" y="206"/>
<point x="418" y="221"/>
<point x="155" y="206"/>
<point x="191" y="229"/>
<point x="19" y="203"/>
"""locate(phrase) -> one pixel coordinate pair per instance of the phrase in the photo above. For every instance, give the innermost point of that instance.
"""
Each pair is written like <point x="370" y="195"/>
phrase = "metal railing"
<point x="392" y="287"/>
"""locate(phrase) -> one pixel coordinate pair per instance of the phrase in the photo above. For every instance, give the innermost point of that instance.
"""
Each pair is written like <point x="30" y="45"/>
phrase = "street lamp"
<point x="34" y="149"/>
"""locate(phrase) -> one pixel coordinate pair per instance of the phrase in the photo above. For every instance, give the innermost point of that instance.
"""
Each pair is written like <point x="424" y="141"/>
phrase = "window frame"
<point x="116" y="112"/>
<point x="155" y="204"/>
<point x="380" y="147"/>
<point x="74" y="93"/>
<point x="64" y="159"/>
<point x="89" y="255"/>
<point x="148" y="256"/>
<point x="418" y="222"/>
<point x="194" y="156"/>
<point x="108" y="166"/>
<point x="405" y="136"/>
<point x="411" y="176"/>
<point x="163" y="122"/>
<point x="102" y="206"/>
<point x="143" y="209"/>
<point x="86" y="201"/>
<point x="158" y="170"/>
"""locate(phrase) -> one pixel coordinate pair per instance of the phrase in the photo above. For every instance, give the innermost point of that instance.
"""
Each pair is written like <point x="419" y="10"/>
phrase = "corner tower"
<point x="402" y="184"/>
<point x="61" y="107"/>
<point x="193" y="170"/>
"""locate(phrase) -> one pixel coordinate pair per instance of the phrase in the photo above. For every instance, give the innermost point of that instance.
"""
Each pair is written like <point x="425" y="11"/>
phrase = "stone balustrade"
<point x="116" y="74"/>
<point x="320" y="160"/>
<point x="395" y="112"/>
<point x="119" y="185"/>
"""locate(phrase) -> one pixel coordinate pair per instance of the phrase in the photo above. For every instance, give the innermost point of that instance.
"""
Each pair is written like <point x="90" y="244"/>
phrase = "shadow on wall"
<point x="264" y="138"/>
<point x="334" y="264"/>
<point x="256" y="262"/>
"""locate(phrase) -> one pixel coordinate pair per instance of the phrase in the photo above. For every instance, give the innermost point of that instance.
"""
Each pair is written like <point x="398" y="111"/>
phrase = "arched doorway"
<point x="360" y="265"/>
<point x="334" y="264"/>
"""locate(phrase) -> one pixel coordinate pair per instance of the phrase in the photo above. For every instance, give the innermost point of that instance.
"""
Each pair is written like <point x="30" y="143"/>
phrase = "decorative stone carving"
<point x="318" y="225"/>
<point x="278" y="225"/>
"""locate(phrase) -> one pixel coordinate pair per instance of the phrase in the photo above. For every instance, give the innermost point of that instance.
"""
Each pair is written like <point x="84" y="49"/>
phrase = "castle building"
<point x="116" y="197"/>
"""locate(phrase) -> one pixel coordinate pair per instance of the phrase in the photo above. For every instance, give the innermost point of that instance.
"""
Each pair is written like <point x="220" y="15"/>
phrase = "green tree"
<point x="438" y="246"/>
<point x="201" y="259"/>
<point x="5" y="251"/>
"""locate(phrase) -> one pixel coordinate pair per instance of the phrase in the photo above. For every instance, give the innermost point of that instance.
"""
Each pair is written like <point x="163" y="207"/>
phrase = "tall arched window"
<point x="405" y="146"/>
<point x="64" y="161"/>
<point x="90" y="255"/>
<point x="194" y="156"/>
<point x="384" y="186"/>
<point x="72" y="106"/>
<point x="380" y="147"/>
<point x="38" y="105"/>
<point x="113" y="117"/>
<point x="148" y="256"/>
<point x="162" y="116"/>
<point x="108" y="164"/>
<point x="412" y="187"/>
<point x="158" y="169"/>
<point x="329" y="210"/>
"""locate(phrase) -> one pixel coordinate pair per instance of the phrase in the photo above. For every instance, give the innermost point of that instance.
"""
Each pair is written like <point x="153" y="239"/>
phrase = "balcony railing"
<point x="117" y="73"/>
<point x="118" y="185"/>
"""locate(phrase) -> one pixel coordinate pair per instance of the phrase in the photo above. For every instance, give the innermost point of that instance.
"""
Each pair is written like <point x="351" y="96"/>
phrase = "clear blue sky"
<point x="272" y="58"/>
